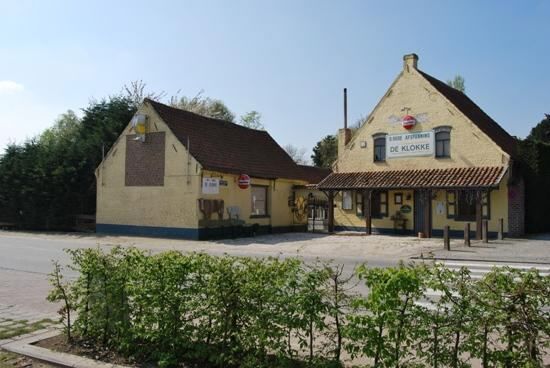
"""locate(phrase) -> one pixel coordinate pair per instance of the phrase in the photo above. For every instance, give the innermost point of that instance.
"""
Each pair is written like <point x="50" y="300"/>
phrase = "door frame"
<point x="424" y="196"/>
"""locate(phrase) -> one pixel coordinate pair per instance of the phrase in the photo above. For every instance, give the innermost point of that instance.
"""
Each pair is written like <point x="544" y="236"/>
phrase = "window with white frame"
<point x="442" y="142"/>
<point x="380" y="148"/>
<point x="259" y="200"/>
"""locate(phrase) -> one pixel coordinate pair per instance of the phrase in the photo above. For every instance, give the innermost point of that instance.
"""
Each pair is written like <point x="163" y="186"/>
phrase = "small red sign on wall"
<point x="244" y="181"/>
<point x="408" y="122"/>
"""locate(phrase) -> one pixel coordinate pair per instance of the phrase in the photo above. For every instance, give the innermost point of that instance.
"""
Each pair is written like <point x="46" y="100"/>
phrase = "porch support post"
<point x="479" y="215"/>
<point x="467" y="234"/>
<point x="330" y="196"/>
<point x="368" y="211"/>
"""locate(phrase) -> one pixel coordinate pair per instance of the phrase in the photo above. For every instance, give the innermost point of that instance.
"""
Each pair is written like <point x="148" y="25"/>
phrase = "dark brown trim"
<point x="367" y="198"/>
<point x="330" y="196"/>
<point x="479" y="215"/>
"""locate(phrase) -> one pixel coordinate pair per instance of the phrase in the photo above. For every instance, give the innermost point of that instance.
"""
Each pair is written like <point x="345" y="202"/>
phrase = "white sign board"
<point x="210" y="185"/>
<point x="410" y="144"/>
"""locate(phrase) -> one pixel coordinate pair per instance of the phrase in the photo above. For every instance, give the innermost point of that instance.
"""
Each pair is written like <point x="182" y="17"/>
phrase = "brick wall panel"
<point x="145" y="161"/>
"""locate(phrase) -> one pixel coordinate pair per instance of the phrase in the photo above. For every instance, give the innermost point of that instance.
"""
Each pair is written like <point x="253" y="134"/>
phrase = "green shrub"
<point x="242" y="312"/>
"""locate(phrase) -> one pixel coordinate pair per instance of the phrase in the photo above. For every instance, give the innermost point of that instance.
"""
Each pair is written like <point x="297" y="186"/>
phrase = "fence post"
<point x="485" y="231"/>
<point x="500" y="235"/>
<point x="446" y="240"/>
<point x="467" y="234"/>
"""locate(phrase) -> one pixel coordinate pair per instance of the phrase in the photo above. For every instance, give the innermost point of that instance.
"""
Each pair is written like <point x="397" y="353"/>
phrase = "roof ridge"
<point x="215" y="120"/>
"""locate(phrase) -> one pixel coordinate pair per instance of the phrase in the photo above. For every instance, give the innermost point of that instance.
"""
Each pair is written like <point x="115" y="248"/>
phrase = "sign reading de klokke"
<point x="411" y="144"/>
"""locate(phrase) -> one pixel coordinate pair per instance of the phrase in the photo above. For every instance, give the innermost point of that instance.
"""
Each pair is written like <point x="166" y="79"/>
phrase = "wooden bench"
<point x="7" y="226"/>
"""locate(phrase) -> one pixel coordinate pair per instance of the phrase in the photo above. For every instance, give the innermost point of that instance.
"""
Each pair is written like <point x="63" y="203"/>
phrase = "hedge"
<point x="228" y="311"/>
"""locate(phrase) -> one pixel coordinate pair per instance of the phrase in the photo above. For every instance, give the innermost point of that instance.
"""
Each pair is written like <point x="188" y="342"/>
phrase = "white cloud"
<point x="7" y="86"/>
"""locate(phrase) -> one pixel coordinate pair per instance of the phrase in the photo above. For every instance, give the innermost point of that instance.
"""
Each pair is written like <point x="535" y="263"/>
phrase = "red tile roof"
<point x="475" y="114"/>
<point x="467" y="177"/>
<point x="227" y="147"/>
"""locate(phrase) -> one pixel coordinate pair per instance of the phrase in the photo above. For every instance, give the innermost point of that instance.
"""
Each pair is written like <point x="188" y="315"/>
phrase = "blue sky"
<point x="287" y="59"/>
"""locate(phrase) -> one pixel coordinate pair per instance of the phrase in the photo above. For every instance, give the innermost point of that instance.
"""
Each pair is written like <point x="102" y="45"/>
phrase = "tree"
<point x="136" y="93"/>
<point x="541" y="132"/>
<point x="48" y="180"/>
<point x="358" y="124"/>
<point x="297" y="154"/>
<point x="252" y="120"/>
<point x="64" y="130"/>
<point x="205" y="106"/>
<point x="457" y="83"/>
<point x="325" y="152"/>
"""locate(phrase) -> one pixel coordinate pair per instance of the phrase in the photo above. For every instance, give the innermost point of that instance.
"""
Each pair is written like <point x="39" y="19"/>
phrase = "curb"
<point x="480" y="260"/>
<point x="24" y="345"/>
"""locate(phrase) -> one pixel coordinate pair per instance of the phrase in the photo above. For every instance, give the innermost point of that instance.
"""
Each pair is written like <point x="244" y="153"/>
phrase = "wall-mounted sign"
<point x="405" y="209"/>
<point x="408" y="122"/>
<point x="223" y="183"/>
<point x="410" y="144"/>
<point x="139" y="124"/>
<point x="210" y="185"/>
<point x="244" y="181"/>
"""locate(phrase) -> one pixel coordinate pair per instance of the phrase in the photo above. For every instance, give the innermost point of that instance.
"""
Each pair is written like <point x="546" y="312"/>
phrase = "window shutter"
<point x="486" y="205"/>
<point x="383" y="204"/>
<point x="359" y="204"/>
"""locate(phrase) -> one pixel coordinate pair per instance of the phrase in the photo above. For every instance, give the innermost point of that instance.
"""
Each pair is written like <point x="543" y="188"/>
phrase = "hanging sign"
<point x="410" y="144"/>
<point x="210" y="185"/>
<point x="244" y="181"/>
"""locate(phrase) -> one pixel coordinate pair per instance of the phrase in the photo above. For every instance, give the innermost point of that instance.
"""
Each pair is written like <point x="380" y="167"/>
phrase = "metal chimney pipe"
<point x="345" y="108"/>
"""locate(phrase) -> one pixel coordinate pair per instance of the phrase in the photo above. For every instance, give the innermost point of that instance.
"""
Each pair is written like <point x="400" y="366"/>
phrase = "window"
<point x="442" y="142"/>
<point x="259" y="200"/>
<point x="461" y="205"/>
<point x="466" y="206"/>
<point x="359" y="204"/>
<point x="379" y="204"/>
<point x="379" y="148"/>
<point x="398" y="198"/>
<point x="347" y="200"/>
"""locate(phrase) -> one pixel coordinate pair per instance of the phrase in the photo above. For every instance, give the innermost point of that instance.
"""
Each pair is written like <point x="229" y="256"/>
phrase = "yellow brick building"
<point x="426" y="157"/>
<point x="178" y="174"/>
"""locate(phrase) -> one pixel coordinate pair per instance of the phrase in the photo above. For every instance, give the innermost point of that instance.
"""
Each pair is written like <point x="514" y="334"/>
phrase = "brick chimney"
<point x="410" y="61"/>
<point x="344" y="135"/>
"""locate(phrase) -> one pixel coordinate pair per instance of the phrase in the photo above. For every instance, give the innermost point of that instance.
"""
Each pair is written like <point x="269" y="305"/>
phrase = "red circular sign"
<point x="244" y="181"/>
<point x="408" y="122"/>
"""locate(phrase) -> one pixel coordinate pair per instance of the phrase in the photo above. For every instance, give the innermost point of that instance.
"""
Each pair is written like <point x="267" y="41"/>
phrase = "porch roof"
<point x="464" y="177"/>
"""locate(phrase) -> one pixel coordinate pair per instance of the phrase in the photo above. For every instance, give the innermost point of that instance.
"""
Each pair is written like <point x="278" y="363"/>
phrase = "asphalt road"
<point x="26" y="260"/>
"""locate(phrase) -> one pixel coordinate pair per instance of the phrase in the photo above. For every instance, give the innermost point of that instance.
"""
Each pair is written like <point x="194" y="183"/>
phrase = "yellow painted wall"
<point x="498" y="203"/>
<point x="171" y="205"/>
<point x="349" y="217"/>
<point x="176" y="203"/>
<point x="469" y="145"/>
<point x="499" y="209"/>
<point x="279" y="191"/>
